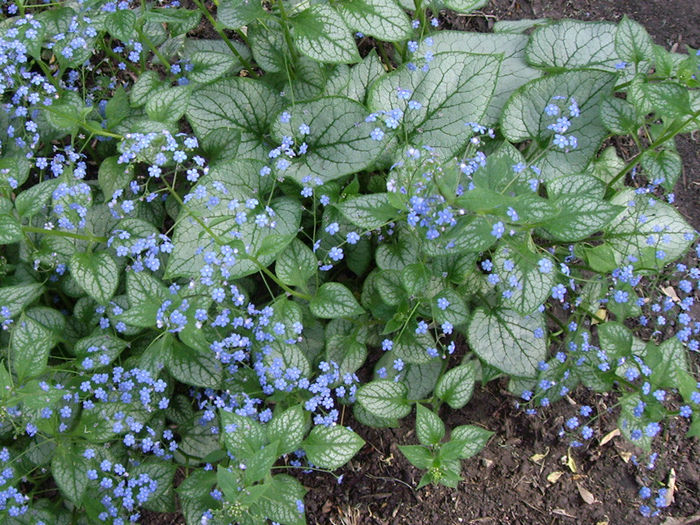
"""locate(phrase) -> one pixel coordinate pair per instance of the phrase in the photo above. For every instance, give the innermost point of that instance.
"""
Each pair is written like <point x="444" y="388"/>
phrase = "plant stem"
<point x="385" y="57"/>
<point x="217" y="27"/>
<point x="658" y="142"/>
<point x="287" y="34"/>
<point x="279" y="283"/>
<point x="60" y="233"/>
<point x="144" y="38"/>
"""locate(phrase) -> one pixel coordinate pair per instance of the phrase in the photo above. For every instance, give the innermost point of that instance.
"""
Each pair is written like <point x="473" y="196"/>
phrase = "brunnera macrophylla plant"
<point x="205" y="240"/>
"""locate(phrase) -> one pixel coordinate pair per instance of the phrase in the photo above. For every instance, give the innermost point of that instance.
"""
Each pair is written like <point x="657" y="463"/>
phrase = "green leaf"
<point x="193" y="366"/>
<point x="368" y="211"/>
<point x="418" y="455"/>
<point x="118" y="108"/>
<point x="308" y="81"/>
<point x="242" y="435"/>
<point x="630" y="422"/>
<point x="383" y="19"/>
<point x="668" y="99"/>
<point x="350" y="356"/>
<point x="156" y="354"/>
<point x="334" y="300"/>
<point x="345" y="344"/>
<point x="619" y="116"/>
<point x="321" y="34"/>
<point x="390" y="288"/>
<point x="268" y="46"/>
<point x="421" y="378"/>
<point x="243" y="104"/>
<point x="160" y="471"/>
<point x="121" y="24"/>
<point x="466" y="82"/>
<point x="10" y="230"/>
<point x="518" y="26"/>
<point x="415" y="278"/>
<point x="353" y="82"/>
<point x="292" y="356"/>
<point x="235" y="14"/>
<point x="289" y="428"/>
<point x="413" y="348"/>
<point x="600" y="258"/>
<point x="570" y="44"/>
<point x="220" y="145"/>
<point x="474" y="438"/>
<point x="632" y="42"/>
<point x="366" y="418"/>
<point x="615" y="339"/>
<point x="451" y="450"/>
<point x="199" y="440"/>
<point x="30" y="346"/>
<point x="197" y="484"/>
<point x="142" y="287"/>
<point x="339" y="141"/>
<point x="669" y="363"/>
<point x="465" y="6"/>
<point x="471" y="234"/>
<point x="147" y="83"/>
<point x="32" y="200"/>
<point x="533" y="286"/>
<point x="96" y="273"/>
<point x="296" y="264"/>
<point x="208" y="66"/>
<point x="259" y="464"/>
<point x="280" y="501"/>
<point x="179" y="20"/>
<point x="456" y="386"/>
<point x="580" y="217"/>
<point x="637" y="233"/>
<point x="498" y="174"/>
<point x="665" y="164"/>
<point x="384" y="399"/>
<point x="112" y="176"/>
<point x="97" y="424"/>
<point x="429" y="427"/>
<point x="168" y="104"/>
<point x="506" y="340"/>
<point x="523" y="117"/>
<point x="69" y="470"/>
<point x="455" y="313"/>
<point x="607" y="166"/>
<point x="397" y="252"/>
<point x="227" y="481"/>
<point x="98" y="345"/>
<point x="239" y="181"/>
<point x="331" y="447"/>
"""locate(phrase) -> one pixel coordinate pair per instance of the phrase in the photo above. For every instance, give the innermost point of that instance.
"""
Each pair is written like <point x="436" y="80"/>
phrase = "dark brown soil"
<point x="527" y="475"/>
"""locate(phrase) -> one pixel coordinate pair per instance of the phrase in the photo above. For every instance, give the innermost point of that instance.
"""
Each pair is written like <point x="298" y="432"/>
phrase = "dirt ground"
<point x="526" y="475"/>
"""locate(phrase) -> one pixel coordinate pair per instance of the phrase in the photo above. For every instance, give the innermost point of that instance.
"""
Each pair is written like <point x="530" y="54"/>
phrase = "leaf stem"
<point x="658" y="142"/>
<point x="61" y="233"/>
<point x="285" y="28"/>
<point x="144" y="38"/>
<point x="217" y="27"/>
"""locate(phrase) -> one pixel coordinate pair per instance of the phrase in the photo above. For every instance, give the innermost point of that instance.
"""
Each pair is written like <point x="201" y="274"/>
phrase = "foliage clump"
<point x="207" y="243"/>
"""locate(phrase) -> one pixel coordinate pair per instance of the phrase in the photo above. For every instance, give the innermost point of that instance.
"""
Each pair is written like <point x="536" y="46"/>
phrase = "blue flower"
<point x="498" y="230"/>
<point x="443" y="303"/>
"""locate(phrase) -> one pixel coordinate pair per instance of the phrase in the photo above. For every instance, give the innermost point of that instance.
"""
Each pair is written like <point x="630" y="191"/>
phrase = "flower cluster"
<point x="22" y="90"/>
